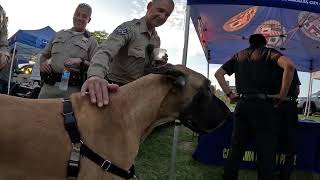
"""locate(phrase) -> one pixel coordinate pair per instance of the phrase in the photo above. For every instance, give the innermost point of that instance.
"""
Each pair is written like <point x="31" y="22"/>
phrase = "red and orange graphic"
<point x="240" y="20"/>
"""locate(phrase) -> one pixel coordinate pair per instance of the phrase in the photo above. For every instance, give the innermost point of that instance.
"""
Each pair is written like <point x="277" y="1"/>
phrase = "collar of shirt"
<point x="74" y="32"/>
<point x="144" y="28"/>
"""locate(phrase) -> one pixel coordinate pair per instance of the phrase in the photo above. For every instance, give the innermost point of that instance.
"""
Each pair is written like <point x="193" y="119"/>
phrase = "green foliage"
<point x="100" y="36"/>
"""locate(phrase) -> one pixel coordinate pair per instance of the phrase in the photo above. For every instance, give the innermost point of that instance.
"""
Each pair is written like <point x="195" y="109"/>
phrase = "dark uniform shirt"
<point x="253" y="69"/>
<point x="294" y="87"/>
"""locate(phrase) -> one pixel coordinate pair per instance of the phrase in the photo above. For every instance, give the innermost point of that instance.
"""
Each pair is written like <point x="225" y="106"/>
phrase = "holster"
<point x="50" y="79"/>
<point x="75" y="79"/>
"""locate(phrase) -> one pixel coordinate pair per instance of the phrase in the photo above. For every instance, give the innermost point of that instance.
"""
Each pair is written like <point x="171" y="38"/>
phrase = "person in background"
<point x="121" y="58"/>
<point x="289" y="122"/>
<point x="4" y="54"/>
<point x="255" y="115"/>
<point x="69" y="50"/>
<point x="5" y="74"/>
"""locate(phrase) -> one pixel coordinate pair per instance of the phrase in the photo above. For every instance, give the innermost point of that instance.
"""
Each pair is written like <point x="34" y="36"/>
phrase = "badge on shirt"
<point x="122" y="30"/>
<point x="85" y="40"/>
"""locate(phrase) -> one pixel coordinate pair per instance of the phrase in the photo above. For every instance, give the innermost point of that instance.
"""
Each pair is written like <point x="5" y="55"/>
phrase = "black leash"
<point x="79" y="148"/>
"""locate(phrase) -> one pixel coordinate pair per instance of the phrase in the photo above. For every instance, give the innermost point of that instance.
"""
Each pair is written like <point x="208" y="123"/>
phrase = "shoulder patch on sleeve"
<point x="122" y="30"/>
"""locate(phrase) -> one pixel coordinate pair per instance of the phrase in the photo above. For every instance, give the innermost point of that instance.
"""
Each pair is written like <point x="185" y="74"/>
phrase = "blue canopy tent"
<point x="290" y="26"/>
<point x="30" y="42"/>
<point x="224" y="26"/>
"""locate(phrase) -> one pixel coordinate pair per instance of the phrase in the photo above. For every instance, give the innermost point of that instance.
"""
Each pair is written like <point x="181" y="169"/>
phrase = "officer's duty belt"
<point x="75" y="79"/>
<point x="254" y="96"/>
<point x="263" y="97"/>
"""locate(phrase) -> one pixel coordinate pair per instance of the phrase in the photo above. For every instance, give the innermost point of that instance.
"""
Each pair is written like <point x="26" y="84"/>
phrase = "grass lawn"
<point x="153" y="160"/>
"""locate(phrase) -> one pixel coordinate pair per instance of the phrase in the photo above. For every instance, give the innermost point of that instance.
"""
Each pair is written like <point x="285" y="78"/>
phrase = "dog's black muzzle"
<point x="205" y="113"/>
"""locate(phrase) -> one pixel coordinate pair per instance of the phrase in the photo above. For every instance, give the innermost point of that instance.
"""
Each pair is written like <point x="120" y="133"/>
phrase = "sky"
<point x="108" y="14"/>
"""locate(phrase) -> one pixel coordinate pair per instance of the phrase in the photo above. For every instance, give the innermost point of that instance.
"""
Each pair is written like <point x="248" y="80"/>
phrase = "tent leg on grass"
<point x="307" y="106"/>
<point x="172" y="173"/>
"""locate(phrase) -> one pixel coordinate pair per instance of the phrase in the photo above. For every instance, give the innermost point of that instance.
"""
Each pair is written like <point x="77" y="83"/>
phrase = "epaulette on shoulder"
<point x="130" y="24"/>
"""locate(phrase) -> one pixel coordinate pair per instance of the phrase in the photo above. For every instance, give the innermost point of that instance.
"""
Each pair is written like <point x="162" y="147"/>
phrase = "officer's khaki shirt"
<point x="121" y="57"/>
<point x="5" y="72"/>
<point x="3" y="32"/>
<point x="69" y="44"/>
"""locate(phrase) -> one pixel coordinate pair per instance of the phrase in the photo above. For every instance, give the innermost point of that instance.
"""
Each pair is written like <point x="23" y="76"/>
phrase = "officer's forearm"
<point x="288" y="71"/>
<point x="99" y="64"/>
<point x="4" y="50"/>
<point x="222" y="81"/>
<point x="287" y="77"/>
<point x="4" y="38"/>
<point x="96" y="70"/>
<point x="43" y="58"/>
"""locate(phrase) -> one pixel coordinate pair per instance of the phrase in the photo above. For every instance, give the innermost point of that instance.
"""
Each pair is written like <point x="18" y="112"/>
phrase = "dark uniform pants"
<point x="289" y="123"/>
<point x="254" y="120"/>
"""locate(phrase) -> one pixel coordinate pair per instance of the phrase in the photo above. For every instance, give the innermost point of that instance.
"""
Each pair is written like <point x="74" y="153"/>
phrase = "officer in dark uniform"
<point x="289" y="121"/>
<point x="255" y="115"/>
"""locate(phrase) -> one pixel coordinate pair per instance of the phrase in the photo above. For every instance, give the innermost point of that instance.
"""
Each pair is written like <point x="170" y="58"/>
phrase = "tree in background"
<point x="100" y="35"/>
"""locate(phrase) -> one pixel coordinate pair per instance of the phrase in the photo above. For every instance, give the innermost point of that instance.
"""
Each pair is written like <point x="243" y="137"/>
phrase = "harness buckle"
<point x="75" y="155"/>
<point x="106" y="162"/>
<point x="133" y="178"/>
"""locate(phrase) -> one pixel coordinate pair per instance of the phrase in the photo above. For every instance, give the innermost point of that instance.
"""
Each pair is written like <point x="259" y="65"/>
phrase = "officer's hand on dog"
<point x="98" y="90"/>
<point x="72" y="62"/>
<point x="45" y="67"/>
<point x="4" y="60"/>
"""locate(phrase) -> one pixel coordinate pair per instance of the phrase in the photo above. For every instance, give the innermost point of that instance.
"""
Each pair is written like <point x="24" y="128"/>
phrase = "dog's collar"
<point x="79" y="148"/>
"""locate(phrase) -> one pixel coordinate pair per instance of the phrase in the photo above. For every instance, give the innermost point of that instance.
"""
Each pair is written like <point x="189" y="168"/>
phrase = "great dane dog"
<point x="34" y="144"/>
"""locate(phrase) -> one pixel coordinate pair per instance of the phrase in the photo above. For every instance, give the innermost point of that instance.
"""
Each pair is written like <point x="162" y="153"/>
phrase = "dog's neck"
<point x="118" y="128"/>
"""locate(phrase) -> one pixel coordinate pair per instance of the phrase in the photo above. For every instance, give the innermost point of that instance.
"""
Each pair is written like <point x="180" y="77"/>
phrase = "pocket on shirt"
<point x="58" y="45"/>
<point x="136" y="52"/>
<point x="82" y="49"/>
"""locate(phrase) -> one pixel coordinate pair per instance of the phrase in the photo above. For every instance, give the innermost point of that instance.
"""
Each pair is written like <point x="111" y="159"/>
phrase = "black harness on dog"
<point x="79" y="148"/>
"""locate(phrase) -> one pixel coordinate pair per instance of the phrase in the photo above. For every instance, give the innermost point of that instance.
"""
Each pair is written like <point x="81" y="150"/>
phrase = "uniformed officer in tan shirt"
<point x="4" y="54"/>
<point x="121" y="57"/>
<point x="70" y="49"/>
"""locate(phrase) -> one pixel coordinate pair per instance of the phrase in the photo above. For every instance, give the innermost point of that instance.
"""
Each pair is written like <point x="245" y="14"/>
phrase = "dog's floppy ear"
<point x="178" y="78"/>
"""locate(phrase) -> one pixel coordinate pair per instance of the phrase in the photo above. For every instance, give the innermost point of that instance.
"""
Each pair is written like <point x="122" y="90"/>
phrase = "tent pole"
<point x="208" y="70"/>
<point x="306" y="112"/>
<point x="186" y="36"/>
<point x="12" y="61"/>
<point x="172" y="173"/>
<point x="310" y="93"/>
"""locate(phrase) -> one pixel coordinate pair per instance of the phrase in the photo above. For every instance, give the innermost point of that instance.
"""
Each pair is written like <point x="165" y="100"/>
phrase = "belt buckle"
<point x="75" y="155"/>
<point x="104" y="162"/>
